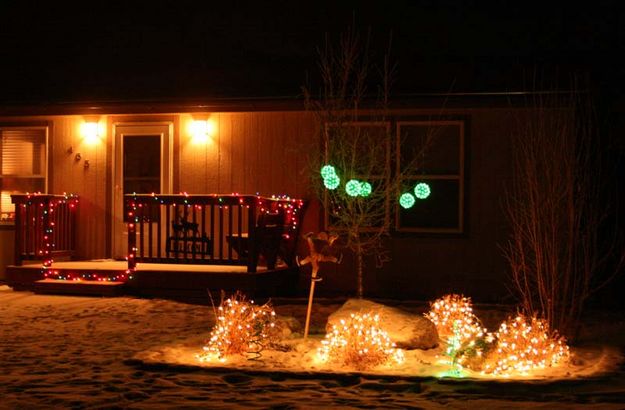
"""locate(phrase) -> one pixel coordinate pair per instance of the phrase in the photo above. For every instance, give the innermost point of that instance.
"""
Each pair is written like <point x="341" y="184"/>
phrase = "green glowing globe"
<point x="365" y="189"/>
<point x="352" y="187"/>
<point x="327" y="171"/>
<point x="332" y="182"/>
<point x="422" y="190"/>
<point x="406" y="200"/>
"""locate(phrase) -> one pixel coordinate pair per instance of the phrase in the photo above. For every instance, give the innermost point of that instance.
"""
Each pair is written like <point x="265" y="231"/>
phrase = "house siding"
<point x="268" y="153"/>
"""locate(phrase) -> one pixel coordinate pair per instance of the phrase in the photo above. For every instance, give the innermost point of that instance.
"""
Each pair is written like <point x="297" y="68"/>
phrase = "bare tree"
<point x="556" y="210"/>
<point x="358" y="143"/>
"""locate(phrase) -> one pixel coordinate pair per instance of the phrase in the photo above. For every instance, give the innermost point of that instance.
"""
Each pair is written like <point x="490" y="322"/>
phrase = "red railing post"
<point x="19" y="233"/>
<point x="251" y="234"/>
<point x="132" y="237"/>
<point x="45" y="244"/>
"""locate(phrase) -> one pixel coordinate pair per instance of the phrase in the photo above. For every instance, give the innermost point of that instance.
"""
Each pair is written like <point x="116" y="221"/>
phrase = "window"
<point x="23" y="163"/>
<point x="360" y="150"/>
<point x="436" y="148"/>
<point x="142" y="167"/>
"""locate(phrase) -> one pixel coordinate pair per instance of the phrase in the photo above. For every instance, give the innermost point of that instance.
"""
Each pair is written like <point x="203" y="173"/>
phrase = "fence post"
<point x="132" y="236"/>
<point x="19" y="240"/>
<point x="252" y="241"/>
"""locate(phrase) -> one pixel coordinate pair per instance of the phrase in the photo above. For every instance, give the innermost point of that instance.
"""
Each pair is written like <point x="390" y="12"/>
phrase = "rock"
<point x="286" y="326"/>
<point x="408" y="330"/>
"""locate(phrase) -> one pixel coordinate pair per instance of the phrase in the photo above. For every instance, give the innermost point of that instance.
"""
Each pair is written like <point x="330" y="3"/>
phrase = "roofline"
<point x="246" y="104"/>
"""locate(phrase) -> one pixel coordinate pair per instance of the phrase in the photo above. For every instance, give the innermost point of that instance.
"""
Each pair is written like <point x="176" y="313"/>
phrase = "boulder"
<point x="407" y="330"/>
<point x="286" y="327"/>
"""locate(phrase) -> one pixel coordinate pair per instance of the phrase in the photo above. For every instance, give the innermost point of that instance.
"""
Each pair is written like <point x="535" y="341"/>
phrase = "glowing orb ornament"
<point x="327" y="171"/>
<point x="422" y="190"/>
<point x="332" y="182"/>
<point x="365" y="189"/>
<point x="352" y="187"/>
<point x="406" y="200"/>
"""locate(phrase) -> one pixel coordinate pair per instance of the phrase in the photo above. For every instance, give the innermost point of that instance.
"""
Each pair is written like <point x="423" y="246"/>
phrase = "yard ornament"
<point x="352" y="187"/>
<point x="422" y="190"/>
<point x="406" y="200"/>
<point x="319" y="246"/>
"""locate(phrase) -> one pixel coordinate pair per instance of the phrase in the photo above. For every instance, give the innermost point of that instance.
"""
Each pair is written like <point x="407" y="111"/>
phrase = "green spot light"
<point x="422" y="190"/>
<point x="406" y="200"/>
<point x="327" y="171"/>
<point x="365" y="189"/>
<point x="332" y="182"/>
<point x="352" y="187"/>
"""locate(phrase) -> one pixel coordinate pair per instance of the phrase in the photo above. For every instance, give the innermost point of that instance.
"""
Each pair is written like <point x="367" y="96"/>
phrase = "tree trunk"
<point x="359" y="269"/>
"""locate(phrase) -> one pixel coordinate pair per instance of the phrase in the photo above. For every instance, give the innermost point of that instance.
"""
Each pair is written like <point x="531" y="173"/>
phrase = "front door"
<point x="143" y="157"/>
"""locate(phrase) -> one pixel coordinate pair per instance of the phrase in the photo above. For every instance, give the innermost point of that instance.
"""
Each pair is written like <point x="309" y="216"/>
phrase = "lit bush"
<point x="453" y="317"/>
<point x="242" y="328"/>
<point x="524" y="344"/>
<point x="360" y="343"/>
<point x="460" y="329"/>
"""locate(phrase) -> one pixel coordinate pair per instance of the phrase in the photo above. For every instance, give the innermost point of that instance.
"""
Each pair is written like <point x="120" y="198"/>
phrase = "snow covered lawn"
<point x="61" y="351"/>
<point x="418" y="364"/>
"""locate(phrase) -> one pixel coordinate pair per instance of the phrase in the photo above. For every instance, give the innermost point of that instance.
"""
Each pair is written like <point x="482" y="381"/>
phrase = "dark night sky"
<point x="175" y="50"/>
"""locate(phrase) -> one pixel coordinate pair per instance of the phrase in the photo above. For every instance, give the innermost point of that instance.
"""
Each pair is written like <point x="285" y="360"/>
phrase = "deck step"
<point x="79" y="288"/>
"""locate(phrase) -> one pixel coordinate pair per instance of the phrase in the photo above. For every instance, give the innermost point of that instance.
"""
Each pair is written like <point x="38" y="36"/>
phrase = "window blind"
<point x="23" y="152"/>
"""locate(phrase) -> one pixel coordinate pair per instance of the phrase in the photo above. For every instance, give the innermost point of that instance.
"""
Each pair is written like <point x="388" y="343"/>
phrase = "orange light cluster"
<point x="242" y="328"/>
<point x="453" y="317"/>
<point x="525" y="344"/>
<point x="360" y="343"/>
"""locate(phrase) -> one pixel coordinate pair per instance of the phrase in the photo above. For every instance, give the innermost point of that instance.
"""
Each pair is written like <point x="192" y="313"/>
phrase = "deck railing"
<point x="211" y="229"/>
<point x="45" y="227"/>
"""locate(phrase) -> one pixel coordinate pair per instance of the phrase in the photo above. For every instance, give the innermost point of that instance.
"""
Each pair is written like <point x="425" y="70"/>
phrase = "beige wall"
<point x="250" y="152"/>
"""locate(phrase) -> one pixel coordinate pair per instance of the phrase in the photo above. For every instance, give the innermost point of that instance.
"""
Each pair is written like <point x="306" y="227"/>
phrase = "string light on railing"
<point x="84" y="276"/>
<point x="283" y="204"/>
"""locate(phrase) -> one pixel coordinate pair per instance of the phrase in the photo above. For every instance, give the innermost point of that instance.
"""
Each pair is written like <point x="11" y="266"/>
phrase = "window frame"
<point x="460" y="176"/>
<point x="45" y="127"/>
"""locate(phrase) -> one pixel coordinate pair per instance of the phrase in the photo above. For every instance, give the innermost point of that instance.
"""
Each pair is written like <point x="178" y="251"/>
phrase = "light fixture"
<point x="90" y="131"/>
<point x="201" y="131"/>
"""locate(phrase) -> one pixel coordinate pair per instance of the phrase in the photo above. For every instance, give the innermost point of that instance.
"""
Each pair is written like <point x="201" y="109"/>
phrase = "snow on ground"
<point x="62" y="351"/>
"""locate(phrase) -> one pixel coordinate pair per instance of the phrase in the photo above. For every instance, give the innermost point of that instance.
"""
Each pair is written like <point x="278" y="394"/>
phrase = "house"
<point x="100" y="152"/>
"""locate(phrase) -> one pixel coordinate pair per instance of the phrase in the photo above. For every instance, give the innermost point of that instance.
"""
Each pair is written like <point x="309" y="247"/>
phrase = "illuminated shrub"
<point x="359" y="342"/>
<point x="453" y="317"/>
<point x="461" y="330"/>
<point x="524" y="344"/>
<point x="242" y="328"/>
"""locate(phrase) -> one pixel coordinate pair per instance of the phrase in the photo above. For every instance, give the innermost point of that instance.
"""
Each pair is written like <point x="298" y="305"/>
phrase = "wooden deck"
<point x="184" y="282"/>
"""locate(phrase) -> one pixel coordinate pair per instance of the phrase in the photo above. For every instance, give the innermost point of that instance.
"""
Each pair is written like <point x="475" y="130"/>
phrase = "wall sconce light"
<point x="201" y="131"/>
<point x="91" y="132"/>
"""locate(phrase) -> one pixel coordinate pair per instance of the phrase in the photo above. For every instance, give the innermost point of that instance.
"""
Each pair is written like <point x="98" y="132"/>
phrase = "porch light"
<point x="91" y="132"/>
<point x="201" y="131"/>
